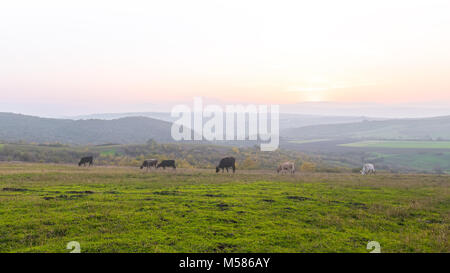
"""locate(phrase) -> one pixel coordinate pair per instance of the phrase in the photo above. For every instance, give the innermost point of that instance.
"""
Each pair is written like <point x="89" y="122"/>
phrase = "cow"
<point x="166" y="163"/>
<point x="286" y="166"/>
<point x="368" y="169"/>
<point x="226" y="163"/>
<point x="86" y="160"/>
<point x="149" y="163"/>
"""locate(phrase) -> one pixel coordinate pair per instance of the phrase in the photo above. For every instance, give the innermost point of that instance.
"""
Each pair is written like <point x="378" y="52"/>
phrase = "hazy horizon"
<point x="374" y="110"/>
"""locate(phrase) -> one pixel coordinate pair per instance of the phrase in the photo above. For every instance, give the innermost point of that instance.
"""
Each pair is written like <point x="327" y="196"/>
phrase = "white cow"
<point x="286" y="166"/>
<point x="368" y="169"/>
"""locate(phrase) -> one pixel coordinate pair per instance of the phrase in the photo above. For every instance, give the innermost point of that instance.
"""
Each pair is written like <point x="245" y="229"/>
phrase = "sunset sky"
<point x="78" y="57"/>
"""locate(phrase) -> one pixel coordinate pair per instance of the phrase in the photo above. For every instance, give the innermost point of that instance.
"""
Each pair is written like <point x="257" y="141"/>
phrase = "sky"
<point x="80" y="57"/>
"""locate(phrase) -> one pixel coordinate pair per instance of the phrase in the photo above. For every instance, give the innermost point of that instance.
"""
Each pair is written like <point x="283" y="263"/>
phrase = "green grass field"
<point x="119" y="209"/>
<point x="421" y="162"/>
<point x="400" y="144"/>
<point x="111" y="152"/>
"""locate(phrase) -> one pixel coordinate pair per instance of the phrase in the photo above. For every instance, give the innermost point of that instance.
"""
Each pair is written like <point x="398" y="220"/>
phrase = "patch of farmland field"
<point x="400" y="144"/>
<point x="423" y="162"/>
<point x="123" y="209"/>
<point x="111" y="152"/>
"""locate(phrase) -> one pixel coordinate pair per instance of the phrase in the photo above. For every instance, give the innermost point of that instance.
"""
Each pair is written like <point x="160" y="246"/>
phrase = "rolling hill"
<point x="15" y="127"/>
<point x="286" y="120"/>
<point x="137" y="130"/>
<point x="395" y="129"/>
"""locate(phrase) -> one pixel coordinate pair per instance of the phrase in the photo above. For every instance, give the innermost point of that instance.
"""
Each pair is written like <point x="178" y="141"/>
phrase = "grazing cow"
<point x="286" y="166"/>
<point x="86" y="160"/>
<point x="149" y="163"/>
<point x="226" y="163"/>
<point x="167" y="163"/>
<point x="368" y="169"/>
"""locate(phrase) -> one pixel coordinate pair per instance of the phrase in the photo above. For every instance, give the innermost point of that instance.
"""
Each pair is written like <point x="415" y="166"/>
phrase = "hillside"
<point x="286" y="120"/>
<point x="15" y="127"/>
<point x="418" y="129"/>
<point x="127" y="128"/>
<point x="136" y="130"/>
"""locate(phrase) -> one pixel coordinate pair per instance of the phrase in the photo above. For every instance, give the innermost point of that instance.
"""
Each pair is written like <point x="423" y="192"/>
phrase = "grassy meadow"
<point x="123" y="209"/>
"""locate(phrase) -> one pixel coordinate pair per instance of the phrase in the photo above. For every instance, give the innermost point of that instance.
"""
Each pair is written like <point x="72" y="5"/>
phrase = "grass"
<point x="401" y="144"/>
<point x="118" y="209"/>
<point x="425" y="162"/>
<point x="108" y="152"/>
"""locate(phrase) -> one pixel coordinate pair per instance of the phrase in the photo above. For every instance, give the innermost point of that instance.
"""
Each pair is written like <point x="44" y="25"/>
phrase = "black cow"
<point x="85" y="160"/>
<point x="167" y="163"/>
<point x="149" y="163"/>
<point x="226" y="163"/>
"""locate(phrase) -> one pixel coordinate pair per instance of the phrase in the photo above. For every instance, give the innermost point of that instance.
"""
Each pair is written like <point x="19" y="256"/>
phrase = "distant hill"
<point x="110" y="116"/>
<point x="15" y="127"/>
<point x="138" y="130"/>
<point x="295" y="120"/>
<point x="423" y="129"/>
<point x="286" y="120"/>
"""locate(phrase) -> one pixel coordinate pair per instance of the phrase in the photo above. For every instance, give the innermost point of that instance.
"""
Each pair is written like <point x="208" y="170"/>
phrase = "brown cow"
<point x="286" y="166"/>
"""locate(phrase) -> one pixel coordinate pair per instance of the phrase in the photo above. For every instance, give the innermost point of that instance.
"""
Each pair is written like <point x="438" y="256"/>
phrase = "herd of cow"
<point x="224" y="164"/>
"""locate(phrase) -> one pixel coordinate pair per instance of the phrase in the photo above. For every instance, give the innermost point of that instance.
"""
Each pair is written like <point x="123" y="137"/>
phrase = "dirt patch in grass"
<point x="223" y="206"/>
<point x="167" y="192"/>
<point x="85" y="192"/>
<point x="298" y="198"/>
<point x="357" y="205"/>
<point x="70" y="197"/>
<point x="14" y="189"/>
<point x="214" y="195"/>
<point x="224" y="247"/>
<point x="111" y="192"/>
